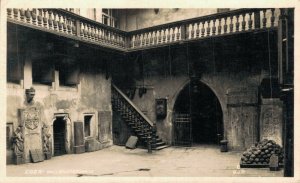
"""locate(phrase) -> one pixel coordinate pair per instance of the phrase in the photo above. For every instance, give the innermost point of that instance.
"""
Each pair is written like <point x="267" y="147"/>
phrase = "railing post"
<point x="257" y="19"/>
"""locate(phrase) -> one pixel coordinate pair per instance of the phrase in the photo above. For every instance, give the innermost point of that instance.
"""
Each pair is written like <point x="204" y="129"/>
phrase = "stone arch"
<point x="210" y="86"/>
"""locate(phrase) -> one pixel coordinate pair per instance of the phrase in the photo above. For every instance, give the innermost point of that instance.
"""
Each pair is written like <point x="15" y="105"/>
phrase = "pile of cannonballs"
<point x="261" y="153"/>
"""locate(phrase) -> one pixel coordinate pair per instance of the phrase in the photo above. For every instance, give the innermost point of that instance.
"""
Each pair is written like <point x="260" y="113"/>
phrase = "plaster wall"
<point x="170" y="87"/>
<point x="90" y="96"/>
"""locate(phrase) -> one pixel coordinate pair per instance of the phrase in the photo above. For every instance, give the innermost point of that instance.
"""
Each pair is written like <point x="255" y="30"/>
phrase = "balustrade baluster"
<point x="272" y="17"/>
<point x="187" y="31"/>
<point x="45" y="20"/>
<point x="214" y="27"/>
<point x="101" y="35"/>
<point x="169" y="34"/>
<point x="193" y="32"/>
<point x="28" y="15"/>
<point x="135" y="40"/>
<point x="22" y="15"/>
<point x="139" y="40"/>
<point x="237" y="24"/>
<point x="81" y="26"/>
<point x="16" y="13"/>
<point x="225" y="25"/>
<point x="202" y="29"/>
<point x="198" y="30"/>
<point x="264" y="20"/>
<point x="231" y="24"/>
<point x="96" y="34"/>
<point x="250" y="21"/>
<point x="40" y="17"/>
<point x="69" y="25"/>
<point x="155" y="37"/>
<point x="159" y="37"/>
<point x="50" y="21"/>
<point x="208" y="28"/>
<point x="93" y="33"/>
<point x="178" y="33"/>
<point x="55" y="24"/>
<point x="243" y="22"/>
<point x="33" y="15"/>
<point x="89" y="31"/>
<point x="60" y="26"/>
<point x="173" y="34"/>
<point x="74" y="27"/>
<point x="85" y="30"/>
<point x="132" y="41"/>
<point x="65" y="23"/>
<point x="164" y="36"/>
<point x="151" y="38"/>
<point x="9" y="12"/>
<point x="220" y="26"/>
<point x="147" y="38"/>
<point x="143" y="39"/>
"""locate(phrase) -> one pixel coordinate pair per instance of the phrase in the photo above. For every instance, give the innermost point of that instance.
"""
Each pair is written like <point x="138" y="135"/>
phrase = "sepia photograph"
<point x="112" y="93"/>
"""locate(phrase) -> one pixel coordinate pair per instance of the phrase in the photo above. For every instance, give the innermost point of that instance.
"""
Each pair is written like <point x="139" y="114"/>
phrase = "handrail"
<point x="133" y="105"/>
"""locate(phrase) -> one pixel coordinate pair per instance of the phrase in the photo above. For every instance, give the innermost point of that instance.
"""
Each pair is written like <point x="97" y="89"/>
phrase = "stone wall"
<point x="90" y="97"/>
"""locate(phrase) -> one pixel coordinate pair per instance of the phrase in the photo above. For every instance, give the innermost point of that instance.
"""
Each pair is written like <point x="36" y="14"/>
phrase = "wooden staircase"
<point x="136" y="120"/>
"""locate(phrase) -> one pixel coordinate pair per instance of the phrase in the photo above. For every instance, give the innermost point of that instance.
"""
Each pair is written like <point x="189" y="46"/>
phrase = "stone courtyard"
<point x="117" y="161"/>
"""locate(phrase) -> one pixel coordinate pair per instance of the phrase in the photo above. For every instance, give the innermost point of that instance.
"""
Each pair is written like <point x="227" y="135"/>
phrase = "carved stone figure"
<point x="18" y="142"/>
<point x="46" y="140"/>
<point x="30" y="93"/>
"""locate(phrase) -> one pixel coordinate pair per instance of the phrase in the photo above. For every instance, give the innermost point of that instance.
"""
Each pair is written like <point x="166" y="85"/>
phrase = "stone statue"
<point x="46" y="139"/>
<point x="18" y="142"/>
<point x="30" y="93"/>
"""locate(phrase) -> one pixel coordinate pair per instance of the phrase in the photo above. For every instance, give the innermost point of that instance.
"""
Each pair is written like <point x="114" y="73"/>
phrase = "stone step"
<point x="161" y="147"/>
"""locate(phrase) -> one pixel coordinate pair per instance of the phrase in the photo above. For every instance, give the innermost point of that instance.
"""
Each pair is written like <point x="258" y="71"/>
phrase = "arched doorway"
<point x="198" y="117"/>
<point x="59" y="136"/>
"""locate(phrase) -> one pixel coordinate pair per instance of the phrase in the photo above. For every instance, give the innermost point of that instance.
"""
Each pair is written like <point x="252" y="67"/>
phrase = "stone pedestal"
<point x="79" y="146"/>
<point x="271" y="120"/>
<point x="47" y="156"/>
<point x="31" y="122"/>
<point x="19" y="160"/>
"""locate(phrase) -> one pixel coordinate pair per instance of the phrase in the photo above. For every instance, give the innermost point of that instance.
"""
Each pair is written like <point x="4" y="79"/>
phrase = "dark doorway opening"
<point x="59" y="136"/>
<point x="202" y="106"/>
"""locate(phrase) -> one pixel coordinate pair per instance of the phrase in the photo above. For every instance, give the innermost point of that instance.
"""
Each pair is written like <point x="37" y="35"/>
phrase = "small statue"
<point x="46" y="139"/>
<point x="18" y="142"/>
<point x="30" y="93"/>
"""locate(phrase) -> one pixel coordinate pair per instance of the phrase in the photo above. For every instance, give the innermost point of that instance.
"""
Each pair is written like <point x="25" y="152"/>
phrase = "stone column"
<point x="78" y="138"/>
<point x="271" y="118"/>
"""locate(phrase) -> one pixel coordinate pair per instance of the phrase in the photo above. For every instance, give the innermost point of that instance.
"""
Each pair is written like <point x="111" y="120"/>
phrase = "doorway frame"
<point x="68" y="129"/>
<point x="178" y="92"/>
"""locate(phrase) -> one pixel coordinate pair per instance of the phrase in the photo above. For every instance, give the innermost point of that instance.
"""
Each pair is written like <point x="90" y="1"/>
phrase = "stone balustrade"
<point x="71" y="25"/>
<point x="236" y="21"/>
<point x="68" y="24"/>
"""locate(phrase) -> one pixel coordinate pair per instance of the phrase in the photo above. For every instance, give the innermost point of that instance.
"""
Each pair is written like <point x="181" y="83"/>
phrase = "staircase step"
<point x="161" y="147"/>
<point x="160" y="144"/>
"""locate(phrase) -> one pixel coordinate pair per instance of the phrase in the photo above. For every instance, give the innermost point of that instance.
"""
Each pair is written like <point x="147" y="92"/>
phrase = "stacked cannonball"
<point x="261" y="153"/>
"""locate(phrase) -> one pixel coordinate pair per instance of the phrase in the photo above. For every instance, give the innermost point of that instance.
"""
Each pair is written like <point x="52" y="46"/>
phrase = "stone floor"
<point x="116" y="161"/>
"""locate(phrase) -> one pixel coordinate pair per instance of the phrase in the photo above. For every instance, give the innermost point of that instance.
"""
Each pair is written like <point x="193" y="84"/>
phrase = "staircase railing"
<point x="133" y="115"/>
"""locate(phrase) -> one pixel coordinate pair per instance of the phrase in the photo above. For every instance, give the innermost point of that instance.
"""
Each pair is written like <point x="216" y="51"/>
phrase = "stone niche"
<point x="31" y="122"/>
<point x="271" y="118"/>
